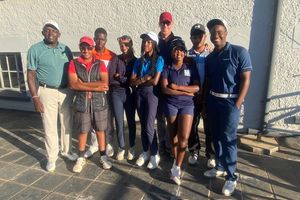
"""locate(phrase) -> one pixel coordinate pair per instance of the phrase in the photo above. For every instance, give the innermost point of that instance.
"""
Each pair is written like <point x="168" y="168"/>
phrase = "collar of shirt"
<point x="58" y="46"/>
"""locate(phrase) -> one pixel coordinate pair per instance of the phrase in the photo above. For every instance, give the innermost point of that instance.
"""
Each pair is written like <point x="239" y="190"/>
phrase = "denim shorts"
<point x="174" y="110"/>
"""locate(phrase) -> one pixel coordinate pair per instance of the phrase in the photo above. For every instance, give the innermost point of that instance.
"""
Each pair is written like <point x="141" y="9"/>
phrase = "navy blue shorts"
<point x="174" y="110"/>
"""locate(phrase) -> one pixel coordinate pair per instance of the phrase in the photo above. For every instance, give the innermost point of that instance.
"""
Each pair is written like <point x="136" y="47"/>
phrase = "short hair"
<point x="99" y="31"/>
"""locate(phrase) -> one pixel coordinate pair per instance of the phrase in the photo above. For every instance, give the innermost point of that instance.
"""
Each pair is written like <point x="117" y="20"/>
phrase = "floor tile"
<point x="73" y="186"/>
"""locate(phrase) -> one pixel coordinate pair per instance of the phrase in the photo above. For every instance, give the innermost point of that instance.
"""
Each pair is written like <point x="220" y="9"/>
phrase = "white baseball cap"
<point x="51" y="23"/>
<point x="153" y="36"/>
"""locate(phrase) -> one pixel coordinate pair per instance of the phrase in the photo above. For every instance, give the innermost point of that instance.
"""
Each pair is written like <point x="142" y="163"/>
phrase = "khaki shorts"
<point x="87" y="121"/>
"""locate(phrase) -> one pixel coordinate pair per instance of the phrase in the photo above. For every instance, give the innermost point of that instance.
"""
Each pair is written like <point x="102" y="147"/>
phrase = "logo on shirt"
<point x="187" y="72"/>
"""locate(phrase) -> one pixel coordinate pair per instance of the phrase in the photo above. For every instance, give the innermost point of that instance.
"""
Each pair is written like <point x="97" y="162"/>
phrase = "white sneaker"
<point x="211" y="163"/>
<point x="193" y="158"/>
<point x="50" y="167"/>
<point x="105" y="163"/>
<point x="229" y="187"/>
<point x="79" y="165"/>
<point x="154" y="161"/>
<point x="90" y="152"/>
<point x="71" y="156"/>
<point x="109" y="150"/>
<point x="131" y="154"/>
<point x="120" y="154"/>
<point x="142" y="158"/>
<point x="212" y="173"/>
<point x="175" y="174"/>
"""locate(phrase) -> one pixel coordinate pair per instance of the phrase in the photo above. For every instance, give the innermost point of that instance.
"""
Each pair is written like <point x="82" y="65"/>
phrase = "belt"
<point x="221" y="95"/>
<point x="51" y="87"/>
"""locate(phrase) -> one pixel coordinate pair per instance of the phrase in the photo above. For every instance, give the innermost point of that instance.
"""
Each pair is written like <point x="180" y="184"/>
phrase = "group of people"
<point x="167" y="83"/>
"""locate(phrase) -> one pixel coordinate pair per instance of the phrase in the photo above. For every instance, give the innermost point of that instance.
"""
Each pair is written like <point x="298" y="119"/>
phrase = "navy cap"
<point x="197" y="29"/>
<point x="178" y="43"/>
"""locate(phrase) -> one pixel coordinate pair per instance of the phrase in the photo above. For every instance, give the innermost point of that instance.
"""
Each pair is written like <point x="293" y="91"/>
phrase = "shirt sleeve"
<point x="135" y="66"/>
<point x="69" y="53"/>
<point x="164" y="74"/>
<point x="245" y="61"/>
<point x="32" y="62"/>
<point x="102" y="67"/>
<point x="194" y="75"/>
<point x="71" y="67"/>
<point x="160" y="64"/>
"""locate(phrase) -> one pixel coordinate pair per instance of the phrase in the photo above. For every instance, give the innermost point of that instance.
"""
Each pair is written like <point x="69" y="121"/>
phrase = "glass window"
<point x="11" y="72"/>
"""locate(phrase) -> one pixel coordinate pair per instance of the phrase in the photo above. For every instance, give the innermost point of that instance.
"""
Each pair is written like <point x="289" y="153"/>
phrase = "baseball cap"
<point x="151" y="35"/>
<point x="178" y="43"/>
<point x="165" y="16"/>
<point x="52" y="24"/>
<point x="197" y="29"/>
<point x="88" y="40"/>
<point x="125" y="38"/>
<point x="217" y="21"/>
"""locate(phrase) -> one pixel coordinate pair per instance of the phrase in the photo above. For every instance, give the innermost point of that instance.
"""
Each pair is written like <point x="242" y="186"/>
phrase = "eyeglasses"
<point x="89" y="48"/>
<point x="165" y="23"/>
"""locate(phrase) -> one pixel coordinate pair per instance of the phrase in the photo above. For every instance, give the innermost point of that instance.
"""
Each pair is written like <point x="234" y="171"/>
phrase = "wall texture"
<point x="250" y="25"/>
<point x="285" y="103"/>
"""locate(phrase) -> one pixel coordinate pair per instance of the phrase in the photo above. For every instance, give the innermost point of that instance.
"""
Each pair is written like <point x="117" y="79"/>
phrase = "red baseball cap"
<point x="165" y="16"/>
<point x="88" y="40"/>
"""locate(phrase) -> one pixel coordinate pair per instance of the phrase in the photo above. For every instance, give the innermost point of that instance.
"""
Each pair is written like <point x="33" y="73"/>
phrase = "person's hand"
<point x="117" y="76"/>
<point x="238" y="105"/>
<point x="147" y="78"/>
<point x="173" y="86"/>
<point x="39" y="107"/>
<point x="104" y="88"/>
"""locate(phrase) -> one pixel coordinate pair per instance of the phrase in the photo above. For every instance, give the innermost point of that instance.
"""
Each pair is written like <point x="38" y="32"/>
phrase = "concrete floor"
<point x="23" y="175"/>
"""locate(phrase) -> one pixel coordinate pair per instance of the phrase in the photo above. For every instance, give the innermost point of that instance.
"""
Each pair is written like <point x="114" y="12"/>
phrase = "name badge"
<point x="187" y="72"/>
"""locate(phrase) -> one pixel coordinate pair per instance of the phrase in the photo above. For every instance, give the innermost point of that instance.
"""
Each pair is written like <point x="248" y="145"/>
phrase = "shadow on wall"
<point x="260" y="40"/>
<point x="285" y="113"/>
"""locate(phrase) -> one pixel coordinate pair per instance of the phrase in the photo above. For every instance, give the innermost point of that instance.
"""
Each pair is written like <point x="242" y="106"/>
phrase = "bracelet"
<point x="35" y="96"/>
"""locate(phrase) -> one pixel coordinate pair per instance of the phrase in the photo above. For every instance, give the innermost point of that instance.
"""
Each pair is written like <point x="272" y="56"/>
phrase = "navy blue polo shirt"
<point x="223" y="68"/>
<point x="185" y="76"/>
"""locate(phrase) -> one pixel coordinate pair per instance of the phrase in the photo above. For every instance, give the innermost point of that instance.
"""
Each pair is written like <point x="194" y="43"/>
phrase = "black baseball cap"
<point x="198" y="29"/>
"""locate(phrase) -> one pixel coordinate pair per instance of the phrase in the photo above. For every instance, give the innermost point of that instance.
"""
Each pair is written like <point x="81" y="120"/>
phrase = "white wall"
<point x="250" y="24"/>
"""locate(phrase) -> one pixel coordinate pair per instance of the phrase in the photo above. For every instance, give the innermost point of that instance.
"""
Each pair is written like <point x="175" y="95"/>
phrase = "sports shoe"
<point x="212" y="173"/>
<point x="142" y="158"/>
<point x="131" y="154"/>
<point x="175" y="174"/>
<point x="90" y="152"/>
<point x="109" y="150"/>
<point x="50" y="167"/>
<point x="120" y="154"/>
<point x="211" y="163"/>
<point x="105" y="164"/>
<point x="71" y="156"/>
<point x="79" y="165"/>
<point x="193" y="158"/>
<point x="229" y="187"/>
<point x="154" y="161"/>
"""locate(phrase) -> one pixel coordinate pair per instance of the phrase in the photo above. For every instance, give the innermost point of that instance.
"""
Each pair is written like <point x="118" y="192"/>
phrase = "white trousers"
<point x="57" y="103"/>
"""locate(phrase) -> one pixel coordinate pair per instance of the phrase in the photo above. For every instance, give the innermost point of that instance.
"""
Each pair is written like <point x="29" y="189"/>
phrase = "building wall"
<point x="250" y="25"/>
<point x="285" y="101"/>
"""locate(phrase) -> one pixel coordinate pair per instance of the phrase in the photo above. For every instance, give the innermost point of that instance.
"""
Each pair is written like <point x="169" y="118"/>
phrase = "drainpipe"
<point x="274" y="41"/>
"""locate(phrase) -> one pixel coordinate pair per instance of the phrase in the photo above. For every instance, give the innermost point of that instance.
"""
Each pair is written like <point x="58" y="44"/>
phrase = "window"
<point x="11" y="72"/>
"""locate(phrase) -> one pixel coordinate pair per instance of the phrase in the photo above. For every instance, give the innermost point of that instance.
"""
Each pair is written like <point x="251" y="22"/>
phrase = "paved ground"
<point x="22" y="174"/>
